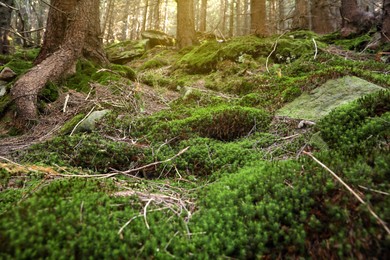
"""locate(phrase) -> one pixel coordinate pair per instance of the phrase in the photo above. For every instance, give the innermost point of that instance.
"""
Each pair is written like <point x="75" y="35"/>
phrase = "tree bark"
<point x="386" y="21"/>
<point x="301" y="16"/>
<point x="321" y="15"/>
<point x="258" y="17"/>
<point x="186" y="35"/>
<point x="5" y="22"/>
<point x="354" y="19"/>
<point x="203" y="16"/>
<point x="80" y="37"/>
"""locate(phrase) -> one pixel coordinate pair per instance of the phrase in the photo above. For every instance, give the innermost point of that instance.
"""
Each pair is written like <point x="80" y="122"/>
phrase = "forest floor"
<point x="191" y="160"/>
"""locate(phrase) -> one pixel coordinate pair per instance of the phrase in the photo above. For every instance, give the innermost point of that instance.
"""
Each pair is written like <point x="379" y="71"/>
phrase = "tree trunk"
<point x="186" y="35"/>
<point x="203" y="16"/>
<point x="145" y="16"/>
<point x="301" y="15"/>
<point x="57" y="22"/>
<point x="81" y="36"/>
<point x="321" y="17"/>
<point x="258" y="17"/>
<point x="231" y="19"/>
<point x="5" y="22"/>
<point x="386" y="21"/>
<point x="354" y="20"/>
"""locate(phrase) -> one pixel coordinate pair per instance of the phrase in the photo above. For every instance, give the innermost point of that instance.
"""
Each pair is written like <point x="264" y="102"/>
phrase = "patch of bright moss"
<point x="69" y="125"/>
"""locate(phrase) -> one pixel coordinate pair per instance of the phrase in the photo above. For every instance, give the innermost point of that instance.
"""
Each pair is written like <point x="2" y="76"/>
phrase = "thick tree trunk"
<point x="186" y="35"/>
<point x="5" y="21"/>
<point x="258" y="17"/>
<point x="321" y="14"/>
<point x="83" y="22"/>
<point x="354" y="19"/>
<point x="386" y="21"/>
<point x="301" y="16"/>
<point x="57" y="22"/>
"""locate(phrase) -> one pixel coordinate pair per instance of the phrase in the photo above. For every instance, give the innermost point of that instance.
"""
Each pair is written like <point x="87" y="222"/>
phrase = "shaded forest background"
<point x="127" y="19"/>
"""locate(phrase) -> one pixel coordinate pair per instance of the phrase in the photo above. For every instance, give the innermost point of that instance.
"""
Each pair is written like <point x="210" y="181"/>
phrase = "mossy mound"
<point x="87" y="72"/>
<point x="87" y="151"/>
<point x="221" y="123"/>
<point x="205" y="57"/>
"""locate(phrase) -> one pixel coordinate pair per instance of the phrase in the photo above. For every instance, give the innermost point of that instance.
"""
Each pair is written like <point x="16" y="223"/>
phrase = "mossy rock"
<point x="205" y="57"/>
<point x="322" y="100"/>
<point x="70" y="124"/>
<point x="126" y="51"/>
<point x="157" y="38"/>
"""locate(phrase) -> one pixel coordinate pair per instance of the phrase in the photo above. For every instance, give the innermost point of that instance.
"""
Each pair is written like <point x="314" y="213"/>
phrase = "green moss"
<point x="123" y="71"/>
<point x="87" y="151"/>
<point x="359" y="127"/>
<point x="69" y="125"/>
<point x="221" y="123"/>
<point x="153" y="63"/>
<point x="18" y="66"/>
<point x="49" y="93"/>
<point x="5" y="101"/>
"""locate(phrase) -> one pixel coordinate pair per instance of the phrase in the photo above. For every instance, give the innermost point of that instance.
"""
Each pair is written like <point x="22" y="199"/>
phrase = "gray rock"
<point x="322" y="100"/>
<point x="3" y="89"/>
<point x="89" y="124"/>
<point x="7" y="74"/>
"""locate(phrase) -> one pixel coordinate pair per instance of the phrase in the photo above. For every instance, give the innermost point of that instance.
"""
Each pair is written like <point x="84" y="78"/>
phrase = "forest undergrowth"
<point x="192" y="163"/>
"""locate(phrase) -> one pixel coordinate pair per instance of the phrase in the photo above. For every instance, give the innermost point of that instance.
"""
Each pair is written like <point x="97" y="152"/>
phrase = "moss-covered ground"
<point x="214" y="175"/>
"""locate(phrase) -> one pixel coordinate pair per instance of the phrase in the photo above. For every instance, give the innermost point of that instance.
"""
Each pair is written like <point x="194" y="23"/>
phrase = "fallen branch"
<point x="274" y="49"/>
<point x="74" y="129"/>
<point x="352" y="191"/>
<point x="127" y="173"/>
<point x="316" y="47"/>
<point x="145" y="211"/>
<point x="376" y="191"/>
<point x="155" y="163"/>
<point x="66" y="103"/>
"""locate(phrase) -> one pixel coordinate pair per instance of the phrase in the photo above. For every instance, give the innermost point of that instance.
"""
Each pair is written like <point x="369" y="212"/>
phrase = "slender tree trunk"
<point x="386" y="21"/>
<point x="186" y="35"/>
<point x="239" y="16"/>
<point x="157" y="15"/>
<point x="145" y="16"/>
<point x="81" y="37"/>
<point x="5" y="22"/>
<point x="247" y="17"/>
<point x="126" y="18"/>
<point x="203" y="16"/>
<point x="258" y="17"/>
<point x="231" y="19"/>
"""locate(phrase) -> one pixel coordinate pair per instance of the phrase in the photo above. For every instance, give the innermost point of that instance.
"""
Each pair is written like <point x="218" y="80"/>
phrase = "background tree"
<point x="354" y="19"/>
<point x="81" y="36"/>
<point x="203" y="16"/>
<point x="386" y="21"/>
<point x="6" y="7"/>
<point x="258" y="17"/>
<point x="186" y="35"/>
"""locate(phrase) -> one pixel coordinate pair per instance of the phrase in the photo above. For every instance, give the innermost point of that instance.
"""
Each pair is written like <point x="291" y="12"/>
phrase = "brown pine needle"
<point x="352" y="191"/>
